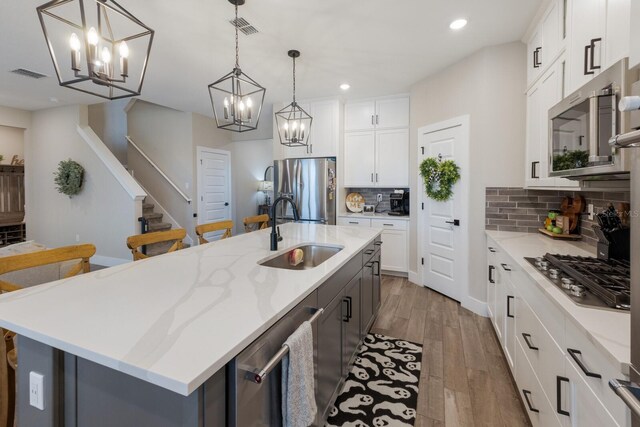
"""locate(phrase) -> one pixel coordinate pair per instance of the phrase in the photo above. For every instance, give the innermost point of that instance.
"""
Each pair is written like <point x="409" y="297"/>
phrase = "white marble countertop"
<point x="377" y="215"/>
<point x="176" y="319"/>
<point x="608" y="330"/>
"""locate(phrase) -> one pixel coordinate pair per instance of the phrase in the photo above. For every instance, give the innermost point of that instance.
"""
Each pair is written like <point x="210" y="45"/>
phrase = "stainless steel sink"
<point x="314" y="255"/>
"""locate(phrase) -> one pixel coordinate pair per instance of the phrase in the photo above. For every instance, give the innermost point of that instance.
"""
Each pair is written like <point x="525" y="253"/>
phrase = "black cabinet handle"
<point x="377" y="263"/>
<point x="574" y="355"/>
<point x="536" y="58"/>
<point x="369" y="265"/>
<point x="345" y="317"/>
<point x="534" y="174"/>
<point x="527" y="340"/>
<point x="593" y="51"/>
<point x="509" y="298"/>
<point x="378" y="243"/>
<point x="559" y="381"/>
<point x="388" y="225"/>
<point x="492" y="250"/>
<point x="526" y="394"/>
<point x="354" y="222"/>
<point x="369" y="251"/>
<point x="506" y="268"/>
<point x="491" y="270"/>
<point x="349" y="314"/>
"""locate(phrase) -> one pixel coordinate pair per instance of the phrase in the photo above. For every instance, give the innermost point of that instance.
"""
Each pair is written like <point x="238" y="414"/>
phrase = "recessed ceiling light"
<point x="458" y="24"/>
<point x="345" y="86"/>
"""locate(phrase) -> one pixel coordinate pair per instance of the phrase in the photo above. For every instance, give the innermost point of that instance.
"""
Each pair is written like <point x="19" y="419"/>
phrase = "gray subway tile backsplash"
<point x="519" y="209"/>
<point x="370" y="195"/>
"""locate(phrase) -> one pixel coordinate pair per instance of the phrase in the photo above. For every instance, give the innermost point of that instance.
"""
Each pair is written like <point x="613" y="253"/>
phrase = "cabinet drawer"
<point x="336" y="283"/>
<point x="539" y="408"/>
<point x="581" y="351"/>
<point x="354" y="222"/>
<point x="389" y="224"/>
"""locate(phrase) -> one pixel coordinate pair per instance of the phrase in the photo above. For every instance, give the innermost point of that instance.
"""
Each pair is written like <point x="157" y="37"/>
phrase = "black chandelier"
<point x="294" y="124"/>
<point x="236" y="98"/>
<point x="83" y="41"/>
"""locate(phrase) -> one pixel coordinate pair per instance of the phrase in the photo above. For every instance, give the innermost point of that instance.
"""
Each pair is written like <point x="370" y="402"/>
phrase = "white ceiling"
<point x="375" y="45"/>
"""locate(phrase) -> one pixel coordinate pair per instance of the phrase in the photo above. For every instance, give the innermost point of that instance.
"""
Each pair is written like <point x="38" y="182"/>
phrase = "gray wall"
<point x="490" y="87"/>
<point x="103" y="213"/>
<point x="109" y="121"/>
<point x="265" y="127"/>
<point x="11" y="143"/>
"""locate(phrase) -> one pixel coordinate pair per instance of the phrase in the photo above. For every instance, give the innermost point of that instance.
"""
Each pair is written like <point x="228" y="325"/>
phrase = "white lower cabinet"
<point x="562" y="377"/>
<point x="395" y="240"/>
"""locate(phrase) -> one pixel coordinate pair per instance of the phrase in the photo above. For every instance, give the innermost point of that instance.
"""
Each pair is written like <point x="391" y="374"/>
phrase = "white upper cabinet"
<point x="392" y="113"/>
<point x="325" y="131"/>
<point x="618" y="30"/>
<point x="588" y="22"/>
<point x="547" y="40"/>
<point x="392" y="158"/>
<point x="359" y="116"/>
<point x="359" y="159"/>
<point x="634" y="48"/>
<point x="385" y="113"/>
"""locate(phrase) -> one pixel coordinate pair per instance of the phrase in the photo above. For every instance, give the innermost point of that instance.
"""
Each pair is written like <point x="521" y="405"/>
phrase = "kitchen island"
<point x="155" y="336"/>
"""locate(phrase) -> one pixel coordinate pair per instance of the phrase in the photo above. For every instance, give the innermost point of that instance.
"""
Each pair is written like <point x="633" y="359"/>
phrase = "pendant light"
<point x="97" y="46"/>
<point x="294" y="124"/>
<point x="236" y="98"/>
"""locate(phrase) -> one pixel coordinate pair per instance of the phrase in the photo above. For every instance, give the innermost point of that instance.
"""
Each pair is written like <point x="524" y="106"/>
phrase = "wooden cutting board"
<point x="560" y="236"/>
<point x="572" y="207"/>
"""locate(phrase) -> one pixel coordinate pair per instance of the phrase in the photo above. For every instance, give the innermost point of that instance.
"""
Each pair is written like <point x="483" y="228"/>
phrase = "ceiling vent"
<point x="28" y="73"/>
<point x="244" y="26"/>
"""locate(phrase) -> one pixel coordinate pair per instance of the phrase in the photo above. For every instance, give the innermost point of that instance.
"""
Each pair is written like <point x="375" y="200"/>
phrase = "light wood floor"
<point x="465" y="380"/>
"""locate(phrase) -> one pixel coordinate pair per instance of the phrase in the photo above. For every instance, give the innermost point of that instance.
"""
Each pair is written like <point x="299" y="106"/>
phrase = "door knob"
<point x="455" y="222"/>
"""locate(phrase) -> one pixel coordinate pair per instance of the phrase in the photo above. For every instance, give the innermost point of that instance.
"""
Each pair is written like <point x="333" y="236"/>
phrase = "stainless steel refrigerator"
<point x="311" y="183"/>
<point x="629" y="391"/>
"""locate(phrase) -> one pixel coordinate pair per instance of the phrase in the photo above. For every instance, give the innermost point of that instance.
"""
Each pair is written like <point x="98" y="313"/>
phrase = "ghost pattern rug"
<point x="382" y="387"/>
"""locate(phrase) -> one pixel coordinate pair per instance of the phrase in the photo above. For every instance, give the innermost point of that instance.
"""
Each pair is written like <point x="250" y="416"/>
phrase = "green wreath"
<point x="439" y="178"/>
<point x="69" y="177"/>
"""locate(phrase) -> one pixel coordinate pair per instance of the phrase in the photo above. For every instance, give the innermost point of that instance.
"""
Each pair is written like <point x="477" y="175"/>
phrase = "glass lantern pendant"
<point x="97" y="46"/>
<point x="294" y="124"/>
<point x="236" y="98"/>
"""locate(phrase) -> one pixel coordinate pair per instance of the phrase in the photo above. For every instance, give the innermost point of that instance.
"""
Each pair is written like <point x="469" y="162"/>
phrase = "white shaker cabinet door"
<point x="588" y="21"/>
<point x="392" y="158"/>
<point x="359" y="156"/>
<point x="325" y="128"/>
<point x="618" y="30"/>
<point x="394" y="250"/>
<point x="359" y="116"/>
<point x="392" y="113"/>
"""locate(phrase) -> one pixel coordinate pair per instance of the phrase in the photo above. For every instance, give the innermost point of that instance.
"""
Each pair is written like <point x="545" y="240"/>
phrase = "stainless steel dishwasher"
<point x="255" y="401"/>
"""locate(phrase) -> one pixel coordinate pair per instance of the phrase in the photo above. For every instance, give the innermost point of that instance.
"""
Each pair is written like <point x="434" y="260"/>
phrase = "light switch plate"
<point x="36" y="390"/>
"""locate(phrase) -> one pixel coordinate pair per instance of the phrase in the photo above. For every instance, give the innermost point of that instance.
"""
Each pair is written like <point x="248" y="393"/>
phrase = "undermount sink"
<point x="314" y="255"/>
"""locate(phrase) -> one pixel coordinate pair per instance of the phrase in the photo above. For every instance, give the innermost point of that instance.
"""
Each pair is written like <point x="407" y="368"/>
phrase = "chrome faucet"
<point x="275" y="235"/>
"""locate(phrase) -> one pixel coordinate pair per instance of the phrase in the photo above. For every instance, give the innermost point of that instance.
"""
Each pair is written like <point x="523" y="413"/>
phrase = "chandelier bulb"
<point x="74" y="42"/>
<point x="92" y="37"/>
<point x="124" y="50"/>
<point x="105" y="55"/>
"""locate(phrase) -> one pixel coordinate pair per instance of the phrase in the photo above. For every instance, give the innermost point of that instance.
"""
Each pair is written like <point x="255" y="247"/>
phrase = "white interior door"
<point x="214" y="187"/>
<point x="444" y="239"/>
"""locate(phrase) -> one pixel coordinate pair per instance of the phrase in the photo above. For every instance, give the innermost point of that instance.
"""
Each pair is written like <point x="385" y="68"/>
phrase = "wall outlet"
<point x="379" y="198"/>
<point x="186" y="185"/>
<point x="77" y="237"/>
<point x="590" y="210"/>
<point x="36" y="390"/>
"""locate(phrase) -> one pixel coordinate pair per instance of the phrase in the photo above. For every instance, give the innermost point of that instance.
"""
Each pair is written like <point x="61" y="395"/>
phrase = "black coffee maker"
<point x="614" y="239"/>
<point x="399" y="204"/>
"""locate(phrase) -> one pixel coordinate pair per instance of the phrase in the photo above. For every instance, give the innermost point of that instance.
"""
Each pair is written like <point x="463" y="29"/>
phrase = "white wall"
<point x="102" y="214"/>
<point x="249" y="159"/>
<point x="11" y="143"/>
<point x="489" y="86"/>
<point x="109" y="121"/>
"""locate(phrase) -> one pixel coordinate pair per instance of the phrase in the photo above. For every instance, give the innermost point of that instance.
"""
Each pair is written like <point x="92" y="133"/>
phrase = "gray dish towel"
<point x="298" y="384"/>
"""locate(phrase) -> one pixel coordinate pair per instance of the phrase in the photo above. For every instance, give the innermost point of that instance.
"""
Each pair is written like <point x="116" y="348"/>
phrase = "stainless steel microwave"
<point x="582" y="124"/>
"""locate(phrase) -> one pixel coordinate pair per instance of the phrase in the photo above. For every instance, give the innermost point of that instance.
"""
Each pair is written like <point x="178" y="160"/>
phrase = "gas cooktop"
<point x="589" y="281"/>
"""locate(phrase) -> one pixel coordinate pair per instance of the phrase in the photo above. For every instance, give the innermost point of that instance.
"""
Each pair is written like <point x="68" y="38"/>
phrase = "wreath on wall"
<point x="439" y="177"/>
<point x="69" y="177"/>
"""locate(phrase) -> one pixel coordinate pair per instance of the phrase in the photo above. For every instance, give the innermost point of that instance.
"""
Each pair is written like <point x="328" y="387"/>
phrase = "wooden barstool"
<point x="135" y="242"/>
<point x="211" y="227"/>
<point x="8" y="352"/>
<point x="254" y="223"/>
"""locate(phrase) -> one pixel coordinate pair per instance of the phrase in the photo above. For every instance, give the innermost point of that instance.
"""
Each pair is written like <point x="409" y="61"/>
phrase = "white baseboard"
<point x="477" y="306"/>
<point x="108" y="261"/>
<point x="413" y="277"/>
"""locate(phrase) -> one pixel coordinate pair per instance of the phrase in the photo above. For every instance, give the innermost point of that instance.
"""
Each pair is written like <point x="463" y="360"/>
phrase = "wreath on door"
<point x="69" y="177"/>
<point x="439" y="177"/>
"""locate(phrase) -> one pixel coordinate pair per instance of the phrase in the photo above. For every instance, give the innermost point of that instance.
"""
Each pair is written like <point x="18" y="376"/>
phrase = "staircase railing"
<point x="157" y="168"/>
